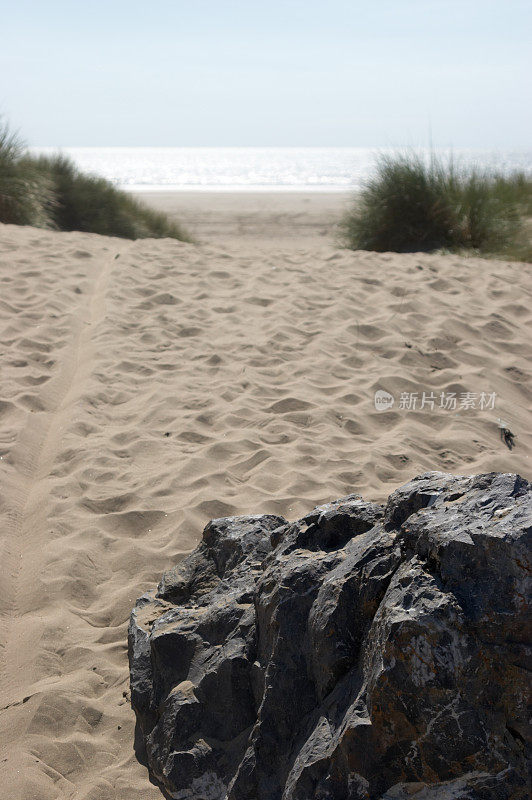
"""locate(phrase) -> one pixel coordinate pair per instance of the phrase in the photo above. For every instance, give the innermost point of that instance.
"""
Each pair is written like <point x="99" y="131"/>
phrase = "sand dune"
<point x="149" y="386"/>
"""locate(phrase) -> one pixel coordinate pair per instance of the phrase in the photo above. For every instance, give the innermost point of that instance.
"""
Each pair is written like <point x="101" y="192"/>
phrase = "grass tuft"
<point x="92" y="204"/>
<point x="50" y="192"/>
<point x="26" y="196"/>
<point x="411" y="205"/>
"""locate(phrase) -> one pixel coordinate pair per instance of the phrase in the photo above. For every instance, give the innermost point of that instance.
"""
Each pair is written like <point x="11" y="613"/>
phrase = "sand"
<point x="149" y="386"/>
<point x="252" y="219"/>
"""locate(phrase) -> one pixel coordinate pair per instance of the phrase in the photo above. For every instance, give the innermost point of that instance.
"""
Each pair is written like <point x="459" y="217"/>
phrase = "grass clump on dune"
<point x="92" y="204"/>
<point x="413" y="205"/>
<point x="26" y="196"/>
<point x="50" y="192"/>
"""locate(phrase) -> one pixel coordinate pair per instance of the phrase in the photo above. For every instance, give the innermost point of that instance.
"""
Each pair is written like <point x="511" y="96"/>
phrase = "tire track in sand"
<point x="24" y="666"/>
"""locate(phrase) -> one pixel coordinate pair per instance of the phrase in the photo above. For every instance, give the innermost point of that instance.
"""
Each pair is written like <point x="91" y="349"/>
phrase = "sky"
<point x="268" y="73"/>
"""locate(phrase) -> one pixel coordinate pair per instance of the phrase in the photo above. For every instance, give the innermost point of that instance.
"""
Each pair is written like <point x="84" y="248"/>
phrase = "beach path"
<point x="149" y="386"/>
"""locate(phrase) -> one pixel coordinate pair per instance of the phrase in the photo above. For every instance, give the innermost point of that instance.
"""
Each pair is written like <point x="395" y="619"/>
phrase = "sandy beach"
<point x="237" y="219"/>
<point x="149" y="386"/>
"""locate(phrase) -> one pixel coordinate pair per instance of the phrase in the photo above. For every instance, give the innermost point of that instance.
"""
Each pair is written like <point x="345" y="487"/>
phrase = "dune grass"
<point x="92" y="204"/>
<point x="412" y="205"/>
<point x="50" y="192"/>
<point x="26" y="196"/>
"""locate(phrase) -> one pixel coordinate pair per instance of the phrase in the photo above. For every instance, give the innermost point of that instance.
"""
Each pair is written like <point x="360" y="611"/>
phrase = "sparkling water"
<point x="256" y="168"/>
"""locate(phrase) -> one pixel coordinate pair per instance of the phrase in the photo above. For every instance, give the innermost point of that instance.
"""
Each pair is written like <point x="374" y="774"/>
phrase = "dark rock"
<point x="360" y="653"/>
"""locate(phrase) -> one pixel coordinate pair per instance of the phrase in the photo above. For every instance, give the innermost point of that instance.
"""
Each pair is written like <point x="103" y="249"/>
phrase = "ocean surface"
<point x="255" y="168"/>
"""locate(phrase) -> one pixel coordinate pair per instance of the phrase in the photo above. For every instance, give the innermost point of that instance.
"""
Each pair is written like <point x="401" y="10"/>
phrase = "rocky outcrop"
<point x="361" y="652"/>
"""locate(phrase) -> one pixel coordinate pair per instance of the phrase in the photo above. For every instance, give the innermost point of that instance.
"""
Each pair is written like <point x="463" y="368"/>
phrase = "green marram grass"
<point x="26" y="196"/>
<point x="50" y="192"/>
<point x="414" y="205"/>
<point x="89" y="203"/>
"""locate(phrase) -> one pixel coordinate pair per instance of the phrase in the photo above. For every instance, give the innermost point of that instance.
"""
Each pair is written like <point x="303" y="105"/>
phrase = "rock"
<point x="363" y="652"/>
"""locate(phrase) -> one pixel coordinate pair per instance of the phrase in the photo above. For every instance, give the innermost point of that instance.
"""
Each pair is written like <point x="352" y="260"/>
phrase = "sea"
<point x="256" y="169"/>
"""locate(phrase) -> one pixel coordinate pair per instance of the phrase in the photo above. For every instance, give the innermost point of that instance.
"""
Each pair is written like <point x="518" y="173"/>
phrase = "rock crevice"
<point x="364" y="652"/>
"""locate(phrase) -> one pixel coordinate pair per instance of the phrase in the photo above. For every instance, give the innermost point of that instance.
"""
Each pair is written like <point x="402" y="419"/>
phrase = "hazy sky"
<point x="290" y="72"/>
